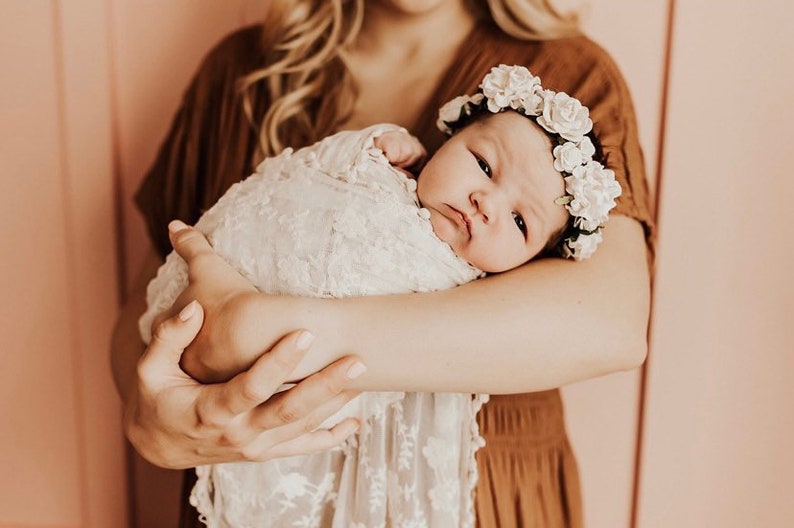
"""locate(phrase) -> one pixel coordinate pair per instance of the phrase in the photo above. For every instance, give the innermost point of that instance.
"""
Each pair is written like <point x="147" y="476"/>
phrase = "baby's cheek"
<point x="438" y="226"/>
<point x="446" y="231"/>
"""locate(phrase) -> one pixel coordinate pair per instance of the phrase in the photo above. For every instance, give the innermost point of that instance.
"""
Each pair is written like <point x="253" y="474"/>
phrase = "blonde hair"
<point x="310" y="90"/>
<point x="533" y="19"/>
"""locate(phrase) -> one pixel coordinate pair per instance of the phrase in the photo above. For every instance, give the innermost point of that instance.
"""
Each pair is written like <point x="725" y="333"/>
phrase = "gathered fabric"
<point x="335" y="219"/>
<point x="528" y="473"/>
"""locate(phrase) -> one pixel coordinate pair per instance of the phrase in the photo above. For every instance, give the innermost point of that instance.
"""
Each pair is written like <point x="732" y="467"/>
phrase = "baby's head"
<point x="516" y="179"/>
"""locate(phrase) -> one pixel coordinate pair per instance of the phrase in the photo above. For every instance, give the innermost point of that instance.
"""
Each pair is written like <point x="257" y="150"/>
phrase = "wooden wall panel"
<point x="89" y="194"/>
<point x="60" y="447"/>
<point x="719" y="417"/>
<point x="39" y="450"/>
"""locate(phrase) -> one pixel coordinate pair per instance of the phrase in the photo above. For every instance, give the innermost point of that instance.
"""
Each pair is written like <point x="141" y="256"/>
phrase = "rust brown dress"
<point x="528" y="475"/>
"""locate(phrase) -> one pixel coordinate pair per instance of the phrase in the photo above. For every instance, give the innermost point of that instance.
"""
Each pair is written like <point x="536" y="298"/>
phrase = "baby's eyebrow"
<point x="495" y="149"/>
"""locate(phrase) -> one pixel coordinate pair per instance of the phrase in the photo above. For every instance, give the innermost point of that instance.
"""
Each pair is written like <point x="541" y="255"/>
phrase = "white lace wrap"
<point x="334" y="220"/>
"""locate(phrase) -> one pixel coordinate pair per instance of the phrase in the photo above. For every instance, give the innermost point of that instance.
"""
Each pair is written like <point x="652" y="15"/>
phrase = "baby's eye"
<point x="519" y="220"/>
<point x="484" y="166"/>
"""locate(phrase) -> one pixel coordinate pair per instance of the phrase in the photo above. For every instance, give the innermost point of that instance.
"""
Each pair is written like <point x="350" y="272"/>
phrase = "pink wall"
<point x="61" y="447"/>
<point x="88" y="89"/>
<point x="719" y="417"/>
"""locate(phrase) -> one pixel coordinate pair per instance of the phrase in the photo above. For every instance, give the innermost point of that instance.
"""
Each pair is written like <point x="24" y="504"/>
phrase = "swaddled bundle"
<point x="335" y="219"/>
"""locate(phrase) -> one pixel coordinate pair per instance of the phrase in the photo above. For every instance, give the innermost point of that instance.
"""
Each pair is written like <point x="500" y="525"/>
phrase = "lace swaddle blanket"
<point x="335" y="220"/>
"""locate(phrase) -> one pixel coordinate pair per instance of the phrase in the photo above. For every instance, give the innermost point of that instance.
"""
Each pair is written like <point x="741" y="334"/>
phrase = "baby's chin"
<point x="445" y="230"/>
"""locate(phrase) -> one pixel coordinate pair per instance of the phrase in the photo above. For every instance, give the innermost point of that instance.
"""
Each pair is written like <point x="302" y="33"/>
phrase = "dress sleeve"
<point x="210" y="144"/>
<point x="604" y="91"/>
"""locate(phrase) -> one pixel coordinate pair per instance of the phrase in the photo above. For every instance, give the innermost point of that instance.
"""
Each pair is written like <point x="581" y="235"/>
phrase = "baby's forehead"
<point x="511" y="125"/>
<point x="525" y="155"/>
<point x="516" y="137"/>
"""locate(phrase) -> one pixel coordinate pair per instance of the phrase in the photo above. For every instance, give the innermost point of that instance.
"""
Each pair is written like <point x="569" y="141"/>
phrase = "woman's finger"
<point x="306" y="443"/>
<point x="309" y="395"/>
<point x="256" y="385"/>
<point x="188" y="242"/>
<point x="169" y="340"/>
<point x="315" y="420"/>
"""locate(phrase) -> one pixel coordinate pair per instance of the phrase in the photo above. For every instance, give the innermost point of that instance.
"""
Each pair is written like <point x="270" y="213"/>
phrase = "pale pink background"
<point x="88" y="88"/>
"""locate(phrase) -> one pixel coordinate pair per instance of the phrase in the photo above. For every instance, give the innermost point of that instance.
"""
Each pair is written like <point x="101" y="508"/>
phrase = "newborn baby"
<point x="341" y="218"/>
<point x="336" y="219"/>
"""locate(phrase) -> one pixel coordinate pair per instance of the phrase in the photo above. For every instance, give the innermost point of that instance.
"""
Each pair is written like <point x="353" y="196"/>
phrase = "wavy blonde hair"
<point x="310" y="90"/>
<point x="533" y="19"/>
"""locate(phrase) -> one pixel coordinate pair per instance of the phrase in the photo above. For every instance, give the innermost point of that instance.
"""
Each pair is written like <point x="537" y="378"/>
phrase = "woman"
<point x="388" y="61"/>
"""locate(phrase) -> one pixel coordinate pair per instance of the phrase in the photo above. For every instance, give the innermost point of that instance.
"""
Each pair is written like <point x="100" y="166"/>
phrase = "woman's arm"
<point x="545" y="324"/>
<point x="173" y="421"/>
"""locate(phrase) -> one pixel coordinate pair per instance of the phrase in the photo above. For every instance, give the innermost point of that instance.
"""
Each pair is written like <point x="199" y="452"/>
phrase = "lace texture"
<point x="336" y="220"/>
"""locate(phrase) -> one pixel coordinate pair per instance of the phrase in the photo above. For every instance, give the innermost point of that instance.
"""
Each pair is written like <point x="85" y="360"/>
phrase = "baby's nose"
<point x="483" y="204"/>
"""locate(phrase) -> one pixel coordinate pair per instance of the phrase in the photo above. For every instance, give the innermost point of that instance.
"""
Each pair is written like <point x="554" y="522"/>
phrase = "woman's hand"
<point x="175" y="422"/>
<point x="225" y="345"/>
<point x="221" y="287"/>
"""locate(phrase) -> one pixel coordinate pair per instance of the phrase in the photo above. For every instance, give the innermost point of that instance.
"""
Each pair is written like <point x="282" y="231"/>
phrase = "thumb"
<point x="188" y="241"/>
<point x="169" y="340"/>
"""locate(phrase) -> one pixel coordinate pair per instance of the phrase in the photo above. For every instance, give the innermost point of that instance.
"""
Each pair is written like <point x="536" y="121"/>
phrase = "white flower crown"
<point x="590" y="188"/>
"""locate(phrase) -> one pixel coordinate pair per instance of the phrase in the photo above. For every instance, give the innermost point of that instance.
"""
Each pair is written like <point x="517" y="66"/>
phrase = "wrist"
<point x="323" y="318"/>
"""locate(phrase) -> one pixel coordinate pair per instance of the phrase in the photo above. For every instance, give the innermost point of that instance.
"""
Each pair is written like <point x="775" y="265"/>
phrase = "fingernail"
<point x="176" y="225"/>
<point x="305" y="340"/>
<point x="357" y="369"/>
<point x="188" y="311"/>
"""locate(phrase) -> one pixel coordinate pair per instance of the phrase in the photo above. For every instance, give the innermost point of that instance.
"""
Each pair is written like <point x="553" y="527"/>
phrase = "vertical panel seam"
<point x="668" y="48"/>
<point x="71" y="263"/>
<point x="120" y="226"/>
<point x="115" y="142"/>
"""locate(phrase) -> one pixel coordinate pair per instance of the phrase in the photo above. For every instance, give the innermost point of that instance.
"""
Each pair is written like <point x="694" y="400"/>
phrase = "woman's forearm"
<point x="544" y="325"/>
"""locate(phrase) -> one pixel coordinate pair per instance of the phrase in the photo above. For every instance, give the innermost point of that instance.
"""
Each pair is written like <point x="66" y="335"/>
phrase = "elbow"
<point x="635" y="354"/>
<point x="620" y="356"/>
<point x="631" y="351"/>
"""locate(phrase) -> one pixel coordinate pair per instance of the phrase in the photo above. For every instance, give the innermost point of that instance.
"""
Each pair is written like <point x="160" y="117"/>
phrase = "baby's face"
<point x="490" y="191"/>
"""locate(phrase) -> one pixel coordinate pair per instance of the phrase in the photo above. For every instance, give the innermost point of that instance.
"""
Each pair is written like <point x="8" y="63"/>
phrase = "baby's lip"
<point x="461" y="218"/>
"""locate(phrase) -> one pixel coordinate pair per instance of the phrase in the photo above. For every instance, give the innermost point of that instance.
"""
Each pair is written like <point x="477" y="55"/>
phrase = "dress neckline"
<point x="462" y="68"/>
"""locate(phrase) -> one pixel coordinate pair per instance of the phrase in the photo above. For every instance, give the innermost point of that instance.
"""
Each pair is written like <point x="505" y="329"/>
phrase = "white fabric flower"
<point x="453" y="110"/>
<point x="583" y="246"/>
<point x="594" y="190"/>
<point x="450" y="112"/>
<point x="587" y="148"/>
<point x="533" y="103"/>
<point x="564" y="115"/>
<point x="508" y="87"/>
<point x="567" y="157"/>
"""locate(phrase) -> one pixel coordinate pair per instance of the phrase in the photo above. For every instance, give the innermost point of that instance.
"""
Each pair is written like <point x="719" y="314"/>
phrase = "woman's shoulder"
<point x="568" y="59"/>
<point x="240" y="50"/>
<point x="583" y="52"/>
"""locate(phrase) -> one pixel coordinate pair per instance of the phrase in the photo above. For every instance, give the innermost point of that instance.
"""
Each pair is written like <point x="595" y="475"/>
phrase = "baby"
<point x="342" y="218"/>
